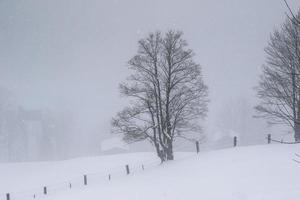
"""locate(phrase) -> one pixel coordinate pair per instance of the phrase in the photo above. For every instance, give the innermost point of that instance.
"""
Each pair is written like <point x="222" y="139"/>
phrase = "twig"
<point x="296" y="160"/>
<point x="291" y="12"/>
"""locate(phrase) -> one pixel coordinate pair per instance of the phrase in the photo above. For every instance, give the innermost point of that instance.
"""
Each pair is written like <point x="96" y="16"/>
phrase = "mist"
<point x="64" y="59"/>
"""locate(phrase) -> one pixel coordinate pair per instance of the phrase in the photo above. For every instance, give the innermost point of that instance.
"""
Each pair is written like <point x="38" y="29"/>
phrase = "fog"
<point x="67" y="57"/>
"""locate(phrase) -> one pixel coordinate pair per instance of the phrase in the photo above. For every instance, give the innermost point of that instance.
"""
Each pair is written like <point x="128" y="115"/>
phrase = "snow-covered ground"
<point x="254" y="172"/>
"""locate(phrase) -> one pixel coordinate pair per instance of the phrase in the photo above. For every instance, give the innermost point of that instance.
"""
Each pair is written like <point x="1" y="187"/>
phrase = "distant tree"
<point x="279" y="87"/>
<point x="8" y="122"/>
<point x="6" y="100"/>
<point x="168" y="93"/>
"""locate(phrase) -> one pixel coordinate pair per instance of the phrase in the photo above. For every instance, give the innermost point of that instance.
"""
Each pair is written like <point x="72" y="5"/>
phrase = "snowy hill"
<point x="254" y="172"/>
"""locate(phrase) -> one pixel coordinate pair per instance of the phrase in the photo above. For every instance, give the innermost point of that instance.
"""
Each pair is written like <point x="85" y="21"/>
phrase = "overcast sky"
<point x="72" y="54"/>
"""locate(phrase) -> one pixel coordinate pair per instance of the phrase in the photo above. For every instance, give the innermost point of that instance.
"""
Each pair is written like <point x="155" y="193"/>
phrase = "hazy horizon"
<point x="68" y="56"/>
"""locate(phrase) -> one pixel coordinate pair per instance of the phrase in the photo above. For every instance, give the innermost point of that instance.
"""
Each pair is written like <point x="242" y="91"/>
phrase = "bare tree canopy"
<point x="293" y="18"/>
<point x="168" y="93"/>
<point x="279" y="87"/>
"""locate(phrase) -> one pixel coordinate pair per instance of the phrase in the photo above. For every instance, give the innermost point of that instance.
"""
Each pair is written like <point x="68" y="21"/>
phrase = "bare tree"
<point x="168" y="92"/>
<point x="279" y="87"/>
<point x="292" y="16"/>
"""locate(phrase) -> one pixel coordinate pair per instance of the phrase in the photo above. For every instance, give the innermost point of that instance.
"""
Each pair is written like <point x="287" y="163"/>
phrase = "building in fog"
<point x="26" y="135"/>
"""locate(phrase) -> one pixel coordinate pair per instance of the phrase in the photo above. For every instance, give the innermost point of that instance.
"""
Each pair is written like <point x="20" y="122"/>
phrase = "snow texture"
<point x="265" y="172"/>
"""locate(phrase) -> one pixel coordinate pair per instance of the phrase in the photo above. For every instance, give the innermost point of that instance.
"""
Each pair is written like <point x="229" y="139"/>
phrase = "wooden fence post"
<point x="143" y="167"/>
<point x="127" y="169"/>
<point x="85" y="179"/>
<point x="109" y="177"/>
<point x="234" y="141"/>
<point x="197" y="146"/>
<point x="7" y="196"/>
<point x="70" y="185"/>
<point x="269" y="138"/>
<point x="45" y="190"/>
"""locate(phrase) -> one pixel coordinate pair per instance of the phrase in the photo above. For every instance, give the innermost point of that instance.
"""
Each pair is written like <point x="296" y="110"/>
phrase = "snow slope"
<point x="254" y="172"/>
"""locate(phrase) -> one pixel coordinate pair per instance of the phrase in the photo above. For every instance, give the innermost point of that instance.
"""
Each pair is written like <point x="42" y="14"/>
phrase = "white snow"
<point x="265" y="172"/>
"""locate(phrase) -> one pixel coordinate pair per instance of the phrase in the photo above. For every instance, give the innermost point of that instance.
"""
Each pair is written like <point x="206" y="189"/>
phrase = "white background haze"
<point x="69" y="56"/>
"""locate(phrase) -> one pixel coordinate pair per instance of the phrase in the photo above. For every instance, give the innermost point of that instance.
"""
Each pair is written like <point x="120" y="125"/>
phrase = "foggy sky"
<point x="72" y="54"/>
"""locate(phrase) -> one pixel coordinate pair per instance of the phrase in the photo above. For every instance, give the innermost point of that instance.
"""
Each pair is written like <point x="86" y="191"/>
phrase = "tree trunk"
<point x="159" y="153"/>
<point x="297" y="124"/>
<point x="297" y="132"/>
<point x="169" y="151"/>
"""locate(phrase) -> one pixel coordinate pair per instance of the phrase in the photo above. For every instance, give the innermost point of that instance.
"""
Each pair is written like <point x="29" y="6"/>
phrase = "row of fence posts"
<point x="85" y="180"/>
<point x="235" y="142"/>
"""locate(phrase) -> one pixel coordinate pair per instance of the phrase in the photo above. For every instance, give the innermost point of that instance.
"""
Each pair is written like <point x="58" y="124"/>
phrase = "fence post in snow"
<point x="127" y="169"/>
<point x="85" y="179"/>
<point x="109" y="177"/>
<point x="45" y="190"/>
<point x="70" y="185"/>
<point x="143" y="167"/>
<point x="269" y="138"/>
<point x="7" y="196"/>
<point x="234" y="141"/>
<point x="197" y="146"/>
